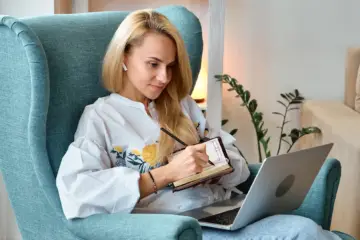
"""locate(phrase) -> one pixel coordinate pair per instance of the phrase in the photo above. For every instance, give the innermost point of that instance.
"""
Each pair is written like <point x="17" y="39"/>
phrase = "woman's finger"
<point x="202" y="157"/>
<point x="200" y="147"/>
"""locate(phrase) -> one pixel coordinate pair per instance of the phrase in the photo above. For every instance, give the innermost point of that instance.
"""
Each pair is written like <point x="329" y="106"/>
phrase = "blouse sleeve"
<point x="241" y="171"/>
<point x="87" y="182"/>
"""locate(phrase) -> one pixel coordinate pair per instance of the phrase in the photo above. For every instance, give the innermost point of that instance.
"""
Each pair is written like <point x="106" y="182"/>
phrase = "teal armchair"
<point x="50" y="69"/>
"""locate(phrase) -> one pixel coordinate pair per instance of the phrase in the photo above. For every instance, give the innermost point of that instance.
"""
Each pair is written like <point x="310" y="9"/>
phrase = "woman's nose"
<point x="162" y="75"/>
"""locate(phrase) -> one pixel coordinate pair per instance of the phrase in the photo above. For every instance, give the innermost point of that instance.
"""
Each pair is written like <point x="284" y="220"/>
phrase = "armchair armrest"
<point x="136" y="226"/>
<point x="319" y="202"/>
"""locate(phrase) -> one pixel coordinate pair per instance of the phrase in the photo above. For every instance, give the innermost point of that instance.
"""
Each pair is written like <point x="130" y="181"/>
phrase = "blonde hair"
<point x="130" y="34"/>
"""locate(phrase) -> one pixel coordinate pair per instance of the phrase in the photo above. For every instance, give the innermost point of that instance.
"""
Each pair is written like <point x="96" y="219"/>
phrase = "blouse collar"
<point x="131" y="103"/>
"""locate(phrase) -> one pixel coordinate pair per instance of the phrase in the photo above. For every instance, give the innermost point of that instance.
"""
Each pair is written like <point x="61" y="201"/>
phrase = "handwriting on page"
<point x="214" y="151"/>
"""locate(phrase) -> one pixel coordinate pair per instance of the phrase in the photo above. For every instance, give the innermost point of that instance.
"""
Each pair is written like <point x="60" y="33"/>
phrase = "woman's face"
<point x="149" y="67"/>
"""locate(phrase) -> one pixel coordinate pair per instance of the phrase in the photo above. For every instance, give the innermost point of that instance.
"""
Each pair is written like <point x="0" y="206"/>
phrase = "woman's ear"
<point x="124" y="67"/>
<point x="124" y="63"/>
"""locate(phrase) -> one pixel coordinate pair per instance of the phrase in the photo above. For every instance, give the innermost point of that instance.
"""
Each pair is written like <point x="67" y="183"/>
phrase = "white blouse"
<point x="114" y="143"/>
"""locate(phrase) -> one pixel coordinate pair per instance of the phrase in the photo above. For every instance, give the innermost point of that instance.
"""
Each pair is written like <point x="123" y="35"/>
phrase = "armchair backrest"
<point x="50" y="69"/>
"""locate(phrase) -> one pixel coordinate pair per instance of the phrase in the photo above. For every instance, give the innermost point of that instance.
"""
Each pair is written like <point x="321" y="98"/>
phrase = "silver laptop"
<point x="279" y="187"/>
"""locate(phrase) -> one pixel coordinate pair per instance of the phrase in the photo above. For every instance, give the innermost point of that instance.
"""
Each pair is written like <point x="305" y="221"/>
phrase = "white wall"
<point x="277" y="46"/>
<point x="26" y="8"/>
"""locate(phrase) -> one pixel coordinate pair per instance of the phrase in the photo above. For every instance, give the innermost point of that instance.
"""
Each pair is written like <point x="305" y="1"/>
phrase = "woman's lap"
<point x="274" y="228"/>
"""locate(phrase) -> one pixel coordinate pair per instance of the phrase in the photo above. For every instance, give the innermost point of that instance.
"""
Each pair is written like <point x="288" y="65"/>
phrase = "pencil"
<point x="179" y="140"/>
<point x="173" y="136"/>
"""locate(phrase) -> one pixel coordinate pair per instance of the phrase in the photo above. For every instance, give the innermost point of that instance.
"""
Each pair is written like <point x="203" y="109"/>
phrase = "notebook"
<point x="217" y="155"/>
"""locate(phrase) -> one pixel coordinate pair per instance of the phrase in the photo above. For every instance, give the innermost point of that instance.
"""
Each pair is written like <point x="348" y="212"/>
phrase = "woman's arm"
<point x="161" y="176"/>
<point x="88" y="184"/>
<point x="241" y="171"/>
<point x="190" y="161"/>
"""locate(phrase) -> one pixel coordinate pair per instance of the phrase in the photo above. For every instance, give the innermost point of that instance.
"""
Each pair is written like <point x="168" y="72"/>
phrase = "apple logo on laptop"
<point x="285" y="186"/>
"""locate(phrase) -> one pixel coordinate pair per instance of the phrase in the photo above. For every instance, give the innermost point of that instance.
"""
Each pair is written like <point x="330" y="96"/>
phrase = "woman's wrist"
<point x="167" y="173"/>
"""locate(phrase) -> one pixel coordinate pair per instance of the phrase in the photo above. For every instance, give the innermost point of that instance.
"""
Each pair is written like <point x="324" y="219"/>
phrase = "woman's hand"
<point x="192" y="160"/>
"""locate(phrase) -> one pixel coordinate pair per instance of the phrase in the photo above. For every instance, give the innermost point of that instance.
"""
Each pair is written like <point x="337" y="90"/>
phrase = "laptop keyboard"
<point x="224" y="218"/>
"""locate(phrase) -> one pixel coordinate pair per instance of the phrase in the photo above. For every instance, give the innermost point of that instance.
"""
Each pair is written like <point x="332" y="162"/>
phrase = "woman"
<point x="119" y="161"/>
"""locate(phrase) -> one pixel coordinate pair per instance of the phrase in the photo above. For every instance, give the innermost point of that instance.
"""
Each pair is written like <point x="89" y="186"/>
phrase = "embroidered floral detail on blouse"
<point x="197" y="125"/>
<point x="137" y="162"/>
<point x="120" y="156"/>
<point x="118" y="149"/>
<point x="149" y="154"/>
<point x="206" y="132"/>
<point x="136" y="152"/>
<point x="143" y="161"/>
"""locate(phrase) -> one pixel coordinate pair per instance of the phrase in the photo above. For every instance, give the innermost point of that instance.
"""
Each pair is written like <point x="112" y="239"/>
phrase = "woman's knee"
<point x="285" y="225"/>
<point x="298" y="221"/>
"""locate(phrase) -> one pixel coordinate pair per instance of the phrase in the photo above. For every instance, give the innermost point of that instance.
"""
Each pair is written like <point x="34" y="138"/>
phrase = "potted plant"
<point x="289" y="101"/>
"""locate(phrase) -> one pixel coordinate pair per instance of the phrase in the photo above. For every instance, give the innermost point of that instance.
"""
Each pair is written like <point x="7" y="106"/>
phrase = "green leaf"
<point x="297" y="93"/>
<point x="233" y="132"/>
<point x="294" y="134"/>
<point x="294" y="108"/>
<point x="277" y="113"/>
<point x="257" y="116"/>
<point x="217" y="76"/>
<point x="295" y="102"/>
<point x="226" y="77"/>
<point x="265" y="132"/>
<point x="239" y="89"/>
<point x="268" y="154"/>
<point x="224" y="121"/>
<point x="309" y="130"/>
<point x="288" y="95"/>
<point x="281" y="103"/>
<point x="260" y="135"/>
<point x="283" y="135"/>
<point x="252" y="106"/>
<point x="246" y="96"/>
<point x="292" y="95"/>
<point x="283" y="96"/>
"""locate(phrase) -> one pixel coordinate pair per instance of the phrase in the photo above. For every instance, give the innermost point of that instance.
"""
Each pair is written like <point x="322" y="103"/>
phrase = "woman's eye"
<point x="153" y="64"/>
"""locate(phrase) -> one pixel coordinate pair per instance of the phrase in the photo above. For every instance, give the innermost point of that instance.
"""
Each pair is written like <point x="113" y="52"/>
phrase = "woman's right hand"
<point x="188" y="162"/>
